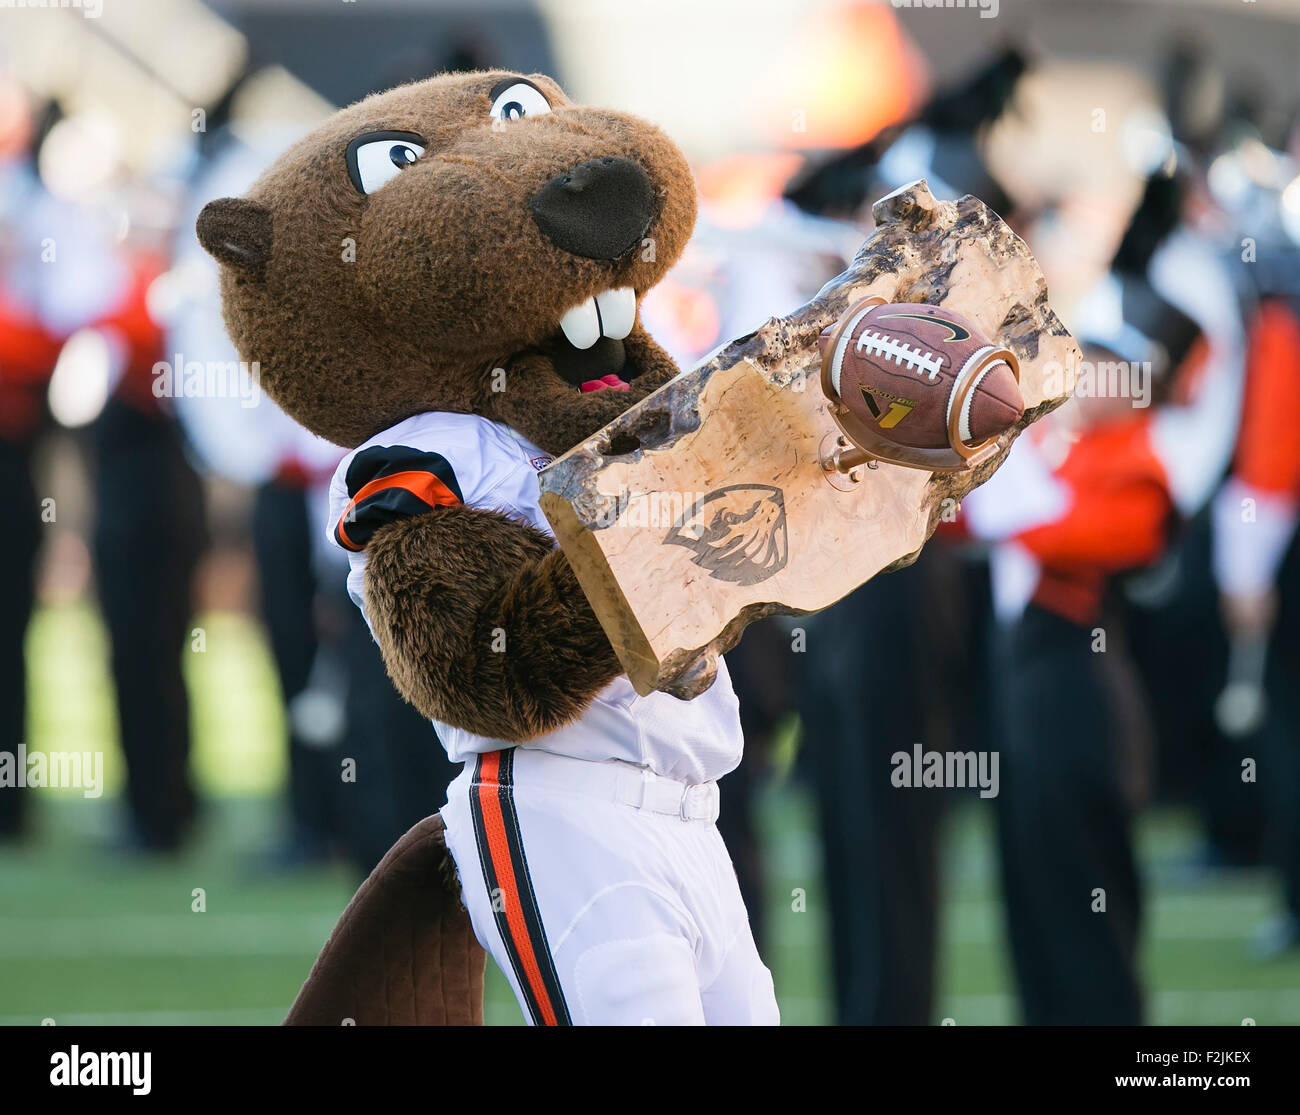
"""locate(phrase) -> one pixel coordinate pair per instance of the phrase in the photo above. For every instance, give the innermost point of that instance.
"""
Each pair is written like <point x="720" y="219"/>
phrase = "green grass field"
<point x="88" y="937"/>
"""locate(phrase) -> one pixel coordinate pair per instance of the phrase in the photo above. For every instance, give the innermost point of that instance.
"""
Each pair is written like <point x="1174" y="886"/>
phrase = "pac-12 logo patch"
<point x="540" y="463"/>
<point x="737" y="533"/>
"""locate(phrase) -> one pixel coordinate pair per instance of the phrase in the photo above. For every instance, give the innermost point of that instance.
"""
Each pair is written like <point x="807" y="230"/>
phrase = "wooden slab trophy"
<point x="755" y="437"/>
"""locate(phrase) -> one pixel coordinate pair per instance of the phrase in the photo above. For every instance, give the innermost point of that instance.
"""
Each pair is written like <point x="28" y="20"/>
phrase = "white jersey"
<point x="469" y="460"/>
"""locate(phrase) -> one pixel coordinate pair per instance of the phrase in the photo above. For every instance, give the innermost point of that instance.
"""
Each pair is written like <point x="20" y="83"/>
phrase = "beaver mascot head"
<point x="472" y="243"/>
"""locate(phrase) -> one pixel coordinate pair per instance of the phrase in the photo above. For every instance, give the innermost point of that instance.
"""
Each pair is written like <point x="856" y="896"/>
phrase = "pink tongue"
<point x="610" y="381"/>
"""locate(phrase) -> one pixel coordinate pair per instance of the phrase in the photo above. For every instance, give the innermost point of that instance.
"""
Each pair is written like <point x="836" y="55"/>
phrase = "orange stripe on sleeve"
<point x="423" y="485"/>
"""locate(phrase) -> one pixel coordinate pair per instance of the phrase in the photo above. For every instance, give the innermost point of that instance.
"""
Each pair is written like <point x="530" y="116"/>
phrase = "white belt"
<point x="643" y="789"/>
<point x="614" y="780"/>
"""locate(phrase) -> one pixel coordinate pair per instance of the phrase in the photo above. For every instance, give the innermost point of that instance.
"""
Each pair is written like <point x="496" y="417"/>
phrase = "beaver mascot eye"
<point x="513" y="98"/>
<point x="377" y="157"/>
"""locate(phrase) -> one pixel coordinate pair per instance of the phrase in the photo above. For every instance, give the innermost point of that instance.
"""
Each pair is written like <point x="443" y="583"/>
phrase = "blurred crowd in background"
<point x="1116" y="613"/>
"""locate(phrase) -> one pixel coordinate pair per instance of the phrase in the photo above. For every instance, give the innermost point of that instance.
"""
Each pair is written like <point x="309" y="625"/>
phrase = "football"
<point x="918" y="377"/>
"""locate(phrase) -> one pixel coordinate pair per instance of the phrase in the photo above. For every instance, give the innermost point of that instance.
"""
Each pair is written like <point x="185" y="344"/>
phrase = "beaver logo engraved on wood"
<point x="737" y="533"/>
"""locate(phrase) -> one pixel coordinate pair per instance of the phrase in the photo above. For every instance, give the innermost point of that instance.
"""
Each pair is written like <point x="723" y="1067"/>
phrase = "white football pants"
<point x="604" y="893"/>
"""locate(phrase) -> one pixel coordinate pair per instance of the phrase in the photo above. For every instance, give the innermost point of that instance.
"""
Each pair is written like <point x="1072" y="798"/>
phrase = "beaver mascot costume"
<point x="445" y="278"/>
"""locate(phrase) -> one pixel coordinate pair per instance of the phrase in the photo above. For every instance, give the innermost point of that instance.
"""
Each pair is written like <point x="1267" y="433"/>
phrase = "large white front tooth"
<point x="582" y="325"/>
<point x="617" y="312"/>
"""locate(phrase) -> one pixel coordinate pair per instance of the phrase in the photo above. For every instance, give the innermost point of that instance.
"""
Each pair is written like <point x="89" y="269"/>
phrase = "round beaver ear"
<point x="236" y="231"/>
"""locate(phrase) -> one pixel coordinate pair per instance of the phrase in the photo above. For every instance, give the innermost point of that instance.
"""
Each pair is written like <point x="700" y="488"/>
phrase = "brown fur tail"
<point x="403" y="953"/>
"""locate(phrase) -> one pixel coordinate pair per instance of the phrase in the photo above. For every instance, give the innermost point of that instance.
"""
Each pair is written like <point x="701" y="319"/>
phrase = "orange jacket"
<point x="27" y="356"/>
<point x="1118" y="519"/>
<point x="1268" y="450"/>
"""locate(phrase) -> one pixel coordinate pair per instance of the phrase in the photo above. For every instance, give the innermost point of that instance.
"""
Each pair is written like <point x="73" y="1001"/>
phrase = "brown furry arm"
<point x="482" y="623"/>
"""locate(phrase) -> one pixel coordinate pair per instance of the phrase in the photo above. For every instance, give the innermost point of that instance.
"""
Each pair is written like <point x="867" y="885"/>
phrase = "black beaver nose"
<point x="599" y="210"/>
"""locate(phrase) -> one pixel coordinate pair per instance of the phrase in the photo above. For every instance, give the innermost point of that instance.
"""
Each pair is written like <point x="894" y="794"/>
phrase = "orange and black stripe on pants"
<point x="510" y="889"/>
